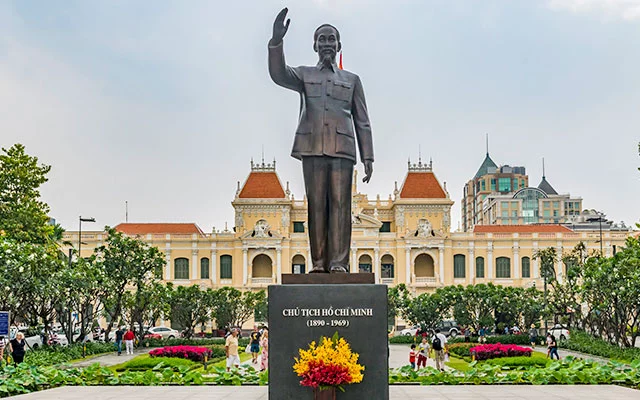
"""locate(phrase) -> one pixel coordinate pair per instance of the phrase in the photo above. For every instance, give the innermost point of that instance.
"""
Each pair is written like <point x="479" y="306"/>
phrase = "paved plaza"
<point x="496" y="392"/>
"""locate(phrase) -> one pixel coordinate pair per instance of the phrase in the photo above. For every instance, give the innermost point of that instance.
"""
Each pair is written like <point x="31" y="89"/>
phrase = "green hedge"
<point x="243" y="342"/>
<point x="504" y="339"/>
<point x="51" y="355"/>
<point x="585" y="343"/>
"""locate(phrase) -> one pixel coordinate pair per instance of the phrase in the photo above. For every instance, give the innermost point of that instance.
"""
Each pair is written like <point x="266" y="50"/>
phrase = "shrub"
<point x="585" y="343"/>
<point x="193" y="353"/>
<point x="51" y="355"/>
<point x="488" y="351"/>
<point x="512" y="362"/>
<point x="189" y="342"/>
<point x="461" y="349"/>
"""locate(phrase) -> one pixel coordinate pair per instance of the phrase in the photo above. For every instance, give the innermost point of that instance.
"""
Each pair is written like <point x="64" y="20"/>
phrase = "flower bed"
<point x="489" y="351"/>
<point x="192" y="353"/>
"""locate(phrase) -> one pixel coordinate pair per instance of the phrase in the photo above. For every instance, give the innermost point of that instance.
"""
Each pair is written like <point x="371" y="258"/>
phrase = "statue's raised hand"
<point x="280" y="27"/>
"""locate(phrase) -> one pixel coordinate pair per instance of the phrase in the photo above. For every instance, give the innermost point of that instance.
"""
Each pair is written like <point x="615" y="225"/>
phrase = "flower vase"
<point x="326" y="394"/>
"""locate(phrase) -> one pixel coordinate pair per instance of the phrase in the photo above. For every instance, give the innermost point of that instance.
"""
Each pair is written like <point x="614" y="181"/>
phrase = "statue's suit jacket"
<point x="332" y="103"/>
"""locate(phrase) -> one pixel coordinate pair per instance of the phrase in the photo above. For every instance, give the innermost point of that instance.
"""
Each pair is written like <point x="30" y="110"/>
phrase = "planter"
<point x="327" y="394"/>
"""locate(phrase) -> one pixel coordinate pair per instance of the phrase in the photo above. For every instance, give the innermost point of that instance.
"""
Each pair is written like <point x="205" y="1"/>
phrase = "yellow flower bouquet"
<point x="331" y="364"/>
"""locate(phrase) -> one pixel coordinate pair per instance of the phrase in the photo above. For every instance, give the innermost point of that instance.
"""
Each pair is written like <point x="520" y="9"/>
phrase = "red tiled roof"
<point x="522" y="228"/>
<point x="145" y="228"/>
<point x="262" y="185"/>
<point x="421" y="185"/>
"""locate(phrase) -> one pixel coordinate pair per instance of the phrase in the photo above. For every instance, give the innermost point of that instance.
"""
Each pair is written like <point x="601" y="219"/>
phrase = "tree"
<point x="129" y="263"/>
<point x="426" y="310"/>
<point x="232" y="308"/>
<point x="23" y="217"/>
<point x="397" y="301"/>
<point x="547" y="258"/>
<point x="611" y="288"/>
<point x="190" y="306"/>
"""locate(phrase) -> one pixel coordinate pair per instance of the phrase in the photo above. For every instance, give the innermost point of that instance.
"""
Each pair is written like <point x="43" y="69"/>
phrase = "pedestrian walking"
<point x="481" y="335"/>
<point x="129" y="337"/>
<point x="231" y="349"/>
<point x="439" y="345"/>
<point x="17" y="348"/>
<point x="2" y="346"/>
<point x="549" y="340"/>
<point x="254" y="344"/>
<point x="119" y="335"/>
<point x="553" y="348"/>
<point x="412" y="356"/>
<point x="533" y="336"/>
<point x="264" y="356"/>
<point x="423" y="353"/>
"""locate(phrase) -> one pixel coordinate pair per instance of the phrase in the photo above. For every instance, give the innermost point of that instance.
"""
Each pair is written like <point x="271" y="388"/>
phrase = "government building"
<point x="406" y="238"/>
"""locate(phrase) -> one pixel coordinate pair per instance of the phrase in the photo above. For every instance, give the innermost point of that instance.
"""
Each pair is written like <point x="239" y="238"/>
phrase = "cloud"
<point x="611" y="9"/>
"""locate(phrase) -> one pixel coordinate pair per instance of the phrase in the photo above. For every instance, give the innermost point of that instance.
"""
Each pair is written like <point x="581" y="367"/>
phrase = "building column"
<point x="278" y="264"/>
<point x="354" y="261"/>
<point x="516" y="261"/>
<point x="245" y="266"/>
<point x="376" y="263"/>
<point x="167" y="267"/>
<point x="536" y="264"/>
<point x="490" y="260"/>
<point x="214" y="266"/>
<point x="194" y="267"/>
<point x="441" y="262"/>
<point x="407" y="266"/>
<point x="472" y="275"/>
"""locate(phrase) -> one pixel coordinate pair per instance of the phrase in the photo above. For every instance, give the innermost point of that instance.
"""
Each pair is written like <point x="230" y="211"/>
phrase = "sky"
<point x="163" y="104"/>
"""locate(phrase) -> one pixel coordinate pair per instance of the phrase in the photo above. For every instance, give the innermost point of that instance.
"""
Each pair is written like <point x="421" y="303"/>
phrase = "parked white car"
<point x="409" y="331"/>
<point x="166" y="333"/>
<point x="560" y="332"/>
<point x="33" y="342"/>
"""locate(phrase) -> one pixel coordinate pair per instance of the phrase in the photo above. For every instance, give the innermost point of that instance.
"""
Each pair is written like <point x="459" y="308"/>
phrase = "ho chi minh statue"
<point x="332" y="104"/>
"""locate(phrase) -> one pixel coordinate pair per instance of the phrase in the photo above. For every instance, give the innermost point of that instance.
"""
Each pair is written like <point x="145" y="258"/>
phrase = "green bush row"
<point x="565" y="372"/>
<point x="585" y="343"/>
<point x="504" y="339"/>
<point x="51" y="355"/>
<point x="189" y="342"/>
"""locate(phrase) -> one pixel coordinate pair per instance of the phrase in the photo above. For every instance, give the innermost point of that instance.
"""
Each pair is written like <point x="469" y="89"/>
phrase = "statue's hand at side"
<point x="368" y="171"/>
<point x="280" y="27"/>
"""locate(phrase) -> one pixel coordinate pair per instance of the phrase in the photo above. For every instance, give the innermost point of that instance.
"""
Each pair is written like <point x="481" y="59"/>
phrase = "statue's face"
<point x="327" y="44"/>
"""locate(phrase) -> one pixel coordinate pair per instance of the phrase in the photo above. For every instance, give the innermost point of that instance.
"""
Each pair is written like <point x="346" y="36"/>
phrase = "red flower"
<point x="193" y="353"/>
<point x="488" y="351"/>
<point x="321" y="374"/>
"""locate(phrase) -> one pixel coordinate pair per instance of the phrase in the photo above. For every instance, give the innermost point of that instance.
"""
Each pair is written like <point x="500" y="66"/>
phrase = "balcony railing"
<point x="388" y="281"/>
<point x="425" y="279"/>
<point x="261" y="281"/>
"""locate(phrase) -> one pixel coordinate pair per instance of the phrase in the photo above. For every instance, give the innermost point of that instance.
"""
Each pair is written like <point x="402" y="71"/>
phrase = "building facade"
<point x="405" y="238"/>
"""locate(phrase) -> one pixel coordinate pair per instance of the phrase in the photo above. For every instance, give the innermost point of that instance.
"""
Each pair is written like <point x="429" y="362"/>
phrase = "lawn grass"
<point x="458" y="364"/>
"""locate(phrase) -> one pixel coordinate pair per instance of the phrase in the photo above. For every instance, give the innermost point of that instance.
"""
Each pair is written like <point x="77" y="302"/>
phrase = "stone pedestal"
<point x="303" y="312"/>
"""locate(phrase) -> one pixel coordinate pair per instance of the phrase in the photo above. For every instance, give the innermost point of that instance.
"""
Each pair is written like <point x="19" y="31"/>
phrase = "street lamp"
<point x="80" y="221"/>
<point x="599" y="219"/>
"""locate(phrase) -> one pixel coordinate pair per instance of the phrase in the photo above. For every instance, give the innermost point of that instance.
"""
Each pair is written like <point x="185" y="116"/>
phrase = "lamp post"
<point x="599" y="219"/>
<point x="80" y="221"/>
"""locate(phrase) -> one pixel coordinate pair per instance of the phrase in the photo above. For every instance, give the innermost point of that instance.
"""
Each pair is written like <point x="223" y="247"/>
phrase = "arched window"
<point x="297" y="264"/>
<point x="526" y="267"/>
<point x="387" y="266"/>
<point x="423" y="266"/>
<point x="181" y="268"/>
<point x="364" y="264"/>
<point x="503" y="267"/>
<point x="479" y="267"/>
<point x="226" y="267"/>
<point x="458" y="266"/>
<point x="261" y="266"/>
<point x="204" y="268"/>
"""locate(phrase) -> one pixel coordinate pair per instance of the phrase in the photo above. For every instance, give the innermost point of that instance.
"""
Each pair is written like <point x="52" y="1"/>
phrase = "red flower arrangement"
<point x="321" y="374"/>
<point x="192" y="353"/>
<point x="488" y="351"/>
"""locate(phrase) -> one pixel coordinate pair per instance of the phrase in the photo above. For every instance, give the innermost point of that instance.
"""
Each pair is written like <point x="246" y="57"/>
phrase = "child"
<point x="412" y="356"/>
<point x="423" y="353"/>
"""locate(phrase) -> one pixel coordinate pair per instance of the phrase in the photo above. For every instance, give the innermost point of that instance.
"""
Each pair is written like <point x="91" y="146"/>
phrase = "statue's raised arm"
<point x="280" y="28"/>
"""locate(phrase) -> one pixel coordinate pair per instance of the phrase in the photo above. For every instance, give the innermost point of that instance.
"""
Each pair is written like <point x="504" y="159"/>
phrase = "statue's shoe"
<point x="338" y="269"/>
<point x="318" y="270"/>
